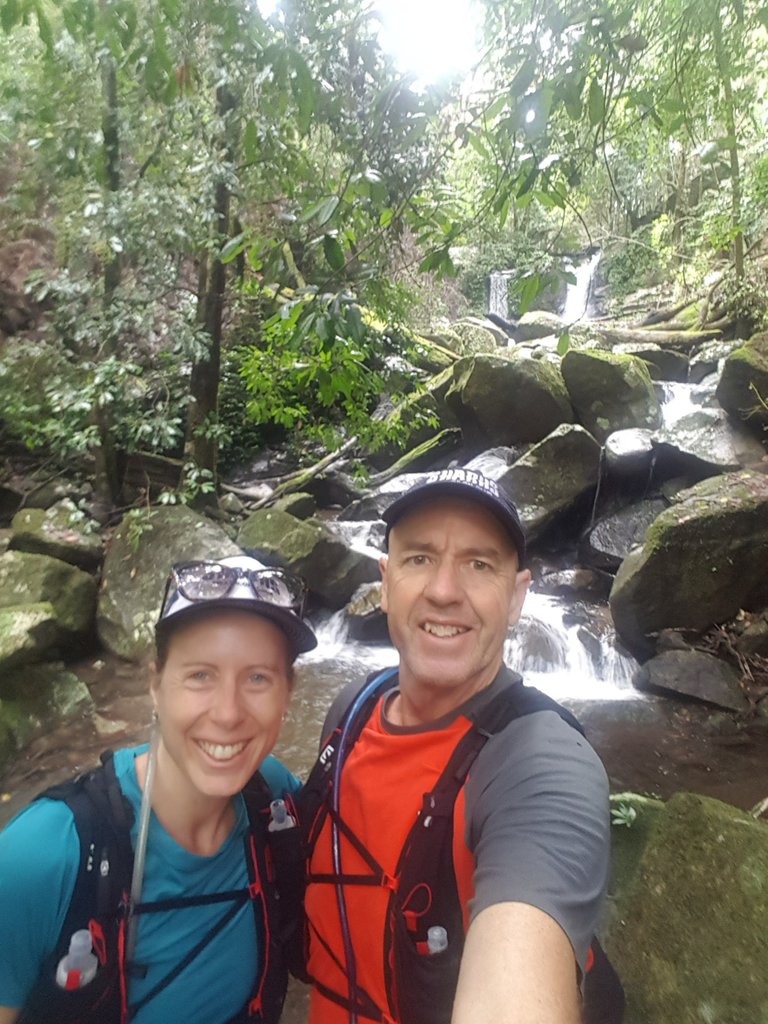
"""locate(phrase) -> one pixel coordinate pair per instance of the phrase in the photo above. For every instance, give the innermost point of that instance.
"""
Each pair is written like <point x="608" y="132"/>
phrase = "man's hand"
<point x="518" y="968"/>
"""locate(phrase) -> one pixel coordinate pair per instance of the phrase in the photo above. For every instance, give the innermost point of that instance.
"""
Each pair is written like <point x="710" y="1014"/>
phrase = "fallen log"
<point x="673" y="339"/>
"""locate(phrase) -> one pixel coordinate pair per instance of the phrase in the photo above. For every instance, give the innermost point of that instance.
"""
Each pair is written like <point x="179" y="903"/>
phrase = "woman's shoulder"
<point x="279" y="779"/>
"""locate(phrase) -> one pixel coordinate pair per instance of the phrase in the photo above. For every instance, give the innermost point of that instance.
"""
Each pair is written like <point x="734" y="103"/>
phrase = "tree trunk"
<point x="733" y="148"/>
<point x="201" y="443"/>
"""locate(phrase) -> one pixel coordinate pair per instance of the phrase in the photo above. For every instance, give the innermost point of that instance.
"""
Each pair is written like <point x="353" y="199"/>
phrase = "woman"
<point x="195" y="938"/>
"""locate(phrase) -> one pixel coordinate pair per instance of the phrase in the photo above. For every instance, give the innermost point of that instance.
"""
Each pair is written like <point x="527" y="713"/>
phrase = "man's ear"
<point x="383" y="566"/>
<point x="522" y="582"/>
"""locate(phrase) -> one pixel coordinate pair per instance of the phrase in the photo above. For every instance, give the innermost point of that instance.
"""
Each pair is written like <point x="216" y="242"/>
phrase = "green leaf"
<point x="320" y="212"/>
<point x="563" y="343"/>
<point x="528" y="288"/>
<point x="9" y="14"/>
<point x="523" y="79"/>
<point x="596" y="102"/>
<point x="232" y="249"/>
<point x="303" y="89"/>
<point x="333" y="252"/>
<point x="385" y="217"/>
<point x="355" y="323"/>
<point x="251" y="142"/>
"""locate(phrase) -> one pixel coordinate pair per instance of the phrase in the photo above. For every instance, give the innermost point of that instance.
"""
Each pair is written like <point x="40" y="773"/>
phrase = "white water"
<point x="577" y="296"/>
<point x="498" y="283"/>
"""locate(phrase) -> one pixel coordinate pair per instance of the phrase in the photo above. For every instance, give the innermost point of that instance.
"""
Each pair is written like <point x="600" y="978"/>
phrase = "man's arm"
<point x="518" y="967"/>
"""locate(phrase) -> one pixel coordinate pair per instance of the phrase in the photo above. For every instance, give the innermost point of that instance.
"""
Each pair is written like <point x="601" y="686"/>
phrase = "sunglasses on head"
<point x="210" y="581"/>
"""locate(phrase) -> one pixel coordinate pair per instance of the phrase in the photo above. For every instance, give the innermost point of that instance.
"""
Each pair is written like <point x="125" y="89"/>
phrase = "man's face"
<point x="450" y="588"/>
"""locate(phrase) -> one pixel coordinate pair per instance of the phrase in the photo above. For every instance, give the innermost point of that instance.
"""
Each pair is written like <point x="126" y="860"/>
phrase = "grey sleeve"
<point x="538" y="824"/>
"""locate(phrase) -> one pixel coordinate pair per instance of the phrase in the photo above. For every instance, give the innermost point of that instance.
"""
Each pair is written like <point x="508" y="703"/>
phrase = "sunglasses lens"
<point x="205" y="581"/>
<point x="277" y="587"/>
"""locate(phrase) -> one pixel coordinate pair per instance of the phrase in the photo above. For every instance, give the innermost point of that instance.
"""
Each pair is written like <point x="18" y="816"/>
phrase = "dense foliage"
<point x="248" y="202"/>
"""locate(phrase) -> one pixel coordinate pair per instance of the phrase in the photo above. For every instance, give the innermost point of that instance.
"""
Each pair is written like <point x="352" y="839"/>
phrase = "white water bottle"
<point x="280" y="818"/>
<point x="78" y="967"/>
<point x="437" y="939"/>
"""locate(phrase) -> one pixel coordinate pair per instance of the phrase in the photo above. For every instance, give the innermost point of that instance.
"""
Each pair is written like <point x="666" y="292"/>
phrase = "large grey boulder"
<point x="610" y="392"/>
<point x="688" y="934"/>
<point x="612" y="538"/>
<point x="36" y="699"/>
<point x="744" y="378"/>
<point x="142" y="550"/>
<point x="703" y="559"/>
<point x="476" y="337"/>
<point x="662" y="363"/>
<point x="27" y="634"/>
<point x="499" y="400"/>
<point x="552" y="477"/>
<point x="538" y="324"/>
<point x="693" y="674"/>
<point x="331" y="568"/>
<point x="61" y="531"/>
<point x="31" y="579"/>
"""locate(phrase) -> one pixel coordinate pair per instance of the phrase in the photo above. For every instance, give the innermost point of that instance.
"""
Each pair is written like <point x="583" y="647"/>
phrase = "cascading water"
<point x="498" y="284"/>
<point x="577" y="296"/>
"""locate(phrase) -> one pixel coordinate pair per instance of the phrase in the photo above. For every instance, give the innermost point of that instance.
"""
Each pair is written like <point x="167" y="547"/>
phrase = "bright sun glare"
<point x="431" y="38"/>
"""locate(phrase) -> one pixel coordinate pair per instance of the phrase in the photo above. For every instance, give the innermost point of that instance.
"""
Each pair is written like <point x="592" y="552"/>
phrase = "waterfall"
<point x="498" y="284"/>
<point x="577" y="297"/>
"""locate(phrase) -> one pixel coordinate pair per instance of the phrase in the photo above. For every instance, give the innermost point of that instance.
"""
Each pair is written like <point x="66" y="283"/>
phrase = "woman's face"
<point x="220" y="699"/>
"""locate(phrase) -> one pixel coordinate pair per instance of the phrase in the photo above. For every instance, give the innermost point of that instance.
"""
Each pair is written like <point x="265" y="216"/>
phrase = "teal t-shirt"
<point x="39" y="853"/>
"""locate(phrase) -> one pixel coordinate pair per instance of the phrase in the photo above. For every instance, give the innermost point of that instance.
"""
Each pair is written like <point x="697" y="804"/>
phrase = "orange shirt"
<point x="383" y="784"/>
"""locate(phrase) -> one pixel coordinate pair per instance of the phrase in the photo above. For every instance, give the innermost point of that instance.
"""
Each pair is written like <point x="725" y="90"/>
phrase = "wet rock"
<point x="508" y="401"/>
<point x="552" y="477"/>
<point x="706" y="442"/>
<point x="629" y="453"/>
<point x="367" y="622"/>
<point x="332" y="489"/>
<point x="231" y="504"/>
<point x="662" y="363"/>
<point x="688" y="936"/>
<point x="36" y="699"/>
<point x="708" y="359"/>
<point x="610" y="392"/>
<point x="301" y="505"/>
<point x="611" y="539"/>
<point x="538" y="324"/>
<point x="703" y="559"/>
<point x="744" y="373"/>
<point x="575" y="583"/>
<point x="27" y="634"/>
<point x="10" y="500"/>
<point x="143" y="548"/>
<point x="61" y="531"/>
<point x="693" y="674"/>
<point x="331" y="569"/>
<point x="28" y="579"/>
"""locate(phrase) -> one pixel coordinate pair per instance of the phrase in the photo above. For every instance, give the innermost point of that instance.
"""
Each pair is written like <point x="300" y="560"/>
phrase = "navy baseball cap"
<point x="461" y="483"/>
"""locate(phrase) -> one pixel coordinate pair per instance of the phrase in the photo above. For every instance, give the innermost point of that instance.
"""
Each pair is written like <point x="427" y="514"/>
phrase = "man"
<point x="492" y="923"/>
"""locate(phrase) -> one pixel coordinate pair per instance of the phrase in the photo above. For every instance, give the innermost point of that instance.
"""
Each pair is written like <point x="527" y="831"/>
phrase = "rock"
<point x="475" y="337"/>
<point x="28" y="579"/>
<point x="744" y="377"/>
<point x="610" y="392"/>
<point x="629" y="453"/>
<point x="300" y="505"/>
<point x="662" y="363"/>
<point x="575" y="583"/>
<point x="703" y="559"/>
<point x="143" y="548"/>
<point x="688" y="937"/>
<point x="538" y="324"/>
<point x="35" y="700"/>
<point x="61" y="531"/>
<point x="231" y="504"/>
<point x="552" y="477"/>
<point x="753" y="639"/>
<point x="500" y="334"/>
<point x="611" y="539"/>
<point x="27" y="634"/>
<point x="48" y="493"/>
<point x="499" y="400"/>
<point x="10" y="499"/>
<point x="708" y="358"/>
<point x="693" y="674"/>
<point x="310" y="549"/>
<point x="417" y="419"/>
<point x="367" y="622"/>
<point x="422" y="456"/>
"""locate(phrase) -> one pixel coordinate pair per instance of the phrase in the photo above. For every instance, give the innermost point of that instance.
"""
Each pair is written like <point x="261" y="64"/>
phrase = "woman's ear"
<point x="154" y="682"/>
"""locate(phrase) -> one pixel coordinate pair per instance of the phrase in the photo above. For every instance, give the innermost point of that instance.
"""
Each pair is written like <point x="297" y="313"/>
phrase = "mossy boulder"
<point x="702" y="560"/>
<point x="143" y="548"/>
<point x="499" y="400"/>
<point x="27" y="633"/>
<point x="551" y="478"/>
<point x="538" y="324"/>
<point x="474" y="338"/>
<point x="36" y="699"/>
<point x="415" y="420"/>
<point x="27" y="578"/>
<point x="662" y="363"/>
<point x="688" y="937"/>
<point x="744" y="381"/>
<point x="330" y="567"/>
<point x="61" y="531"/>
<point x="610" y="392"/>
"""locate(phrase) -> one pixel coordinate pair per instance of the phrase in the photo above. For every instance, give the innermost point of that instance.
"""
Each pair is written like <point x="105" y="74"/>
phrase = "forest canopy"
<point x="247" y="220"/>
